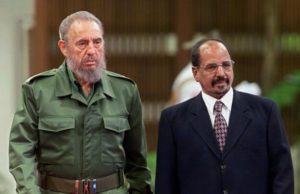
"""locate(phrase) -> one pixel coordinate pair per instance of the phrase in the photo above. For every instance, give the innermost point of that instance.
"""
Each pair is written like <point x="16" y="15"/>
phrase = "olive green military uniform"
<point x="64" y="134"/>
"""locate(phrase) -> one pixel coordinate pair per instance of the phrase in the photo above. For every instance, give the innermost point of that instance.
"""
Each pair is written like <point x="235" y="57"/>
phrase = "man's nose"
<point x="91" y="48"/>
<point x="220" y="70"/>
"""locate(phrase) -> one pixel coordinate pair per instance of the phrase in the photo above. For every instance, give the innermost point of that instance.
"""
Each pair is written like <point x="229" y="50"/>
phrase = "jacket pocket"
<point x="56" y="140"/>
<point x="116" y="124"/>
<point x="112" y="139"/>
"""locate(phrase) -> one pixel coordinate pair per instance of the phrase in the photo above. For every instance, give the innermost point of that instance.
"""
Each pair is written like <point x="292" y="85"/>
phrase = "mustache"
<point x="91" y="58"/>
<point x="220" y="79"/>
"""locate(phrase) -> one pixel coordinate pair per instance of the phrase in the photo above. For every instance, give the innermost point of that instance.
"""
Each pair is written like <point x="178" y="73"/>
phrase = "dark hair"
<point x="195" y="55"/>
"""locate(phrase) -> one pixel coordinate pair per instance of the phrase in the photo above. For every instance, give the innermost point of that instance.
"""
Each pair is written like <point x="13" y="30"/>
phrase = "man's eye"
<point x="211" y="66"/>
<point x="226" y="64"/>
<point x="97" y="41"/>
<point x="81" y="44"/>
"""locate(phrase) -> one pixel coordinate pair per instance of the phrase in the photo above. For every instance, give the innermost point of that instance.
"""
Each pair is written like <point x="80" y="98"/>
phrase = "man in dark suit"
<point x="222" y="141"/>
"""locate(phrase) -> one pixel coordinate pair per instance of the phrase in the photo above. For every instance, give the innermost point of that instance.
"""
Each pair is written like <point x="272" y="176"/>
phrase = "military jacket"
<point x="57" y="131"/>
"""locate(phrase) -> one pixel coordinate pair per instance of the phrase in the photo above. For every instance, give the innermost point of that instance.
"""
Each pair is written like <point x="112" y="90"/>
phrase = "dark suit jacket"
<point x="256" y="158"/>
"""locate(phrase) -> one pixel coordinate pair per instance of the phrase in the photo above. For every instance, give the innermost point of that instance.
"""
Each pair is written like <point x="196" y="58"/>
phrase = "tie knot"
<point x="218" y="106"/>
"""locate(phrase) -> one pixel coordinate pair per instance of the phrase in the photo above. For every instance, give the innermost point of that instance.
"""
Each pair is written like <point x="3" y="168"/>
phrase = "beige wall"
<point x="16" y="19"/>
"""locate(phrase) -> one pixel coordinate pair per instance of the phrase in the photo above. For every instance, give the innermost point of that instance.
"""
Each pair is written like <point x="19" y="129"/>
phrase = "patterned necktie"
<point x="220" y="125"/>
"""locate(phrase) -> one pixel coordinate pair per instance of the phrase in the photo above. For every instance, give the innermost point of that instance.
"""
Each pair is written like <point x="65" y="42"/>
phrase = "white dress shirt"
<point x="210" y="103"/>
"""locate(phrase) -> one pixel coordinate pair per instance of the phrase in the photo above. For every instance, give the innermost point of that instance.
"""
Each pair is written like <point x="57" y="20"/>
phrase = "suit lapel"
<point x="201" y="123"/>
<point x="239" y="120"/>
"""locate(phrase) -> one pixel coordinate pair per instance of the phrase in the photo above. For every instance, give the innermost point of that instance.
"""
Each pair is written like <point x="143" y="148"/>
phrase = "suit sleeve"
<point x="166" y="171"/>
<point x="281" y="168"/>
<point x="135" y="144"/>
<point x="22" y="145"/>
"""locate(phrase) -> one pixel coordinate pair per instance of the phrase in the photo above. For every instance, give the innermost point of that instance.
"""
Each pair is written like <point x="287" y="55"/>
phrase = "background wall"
<point x="16" y="19"/>
<point x="146" y="41"/>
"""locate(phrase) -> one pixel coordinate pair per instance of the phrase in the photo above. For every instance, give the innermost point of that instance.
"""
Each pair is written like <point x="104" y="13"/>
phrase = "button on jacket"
<point x="73" y="137"/>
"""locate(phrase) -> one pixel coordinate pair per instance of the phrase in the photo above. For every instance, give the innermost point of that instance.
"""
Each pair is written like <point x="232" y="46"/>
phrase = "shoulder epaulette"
<point x="41" y="75"/>
<point x="113" y="74"/>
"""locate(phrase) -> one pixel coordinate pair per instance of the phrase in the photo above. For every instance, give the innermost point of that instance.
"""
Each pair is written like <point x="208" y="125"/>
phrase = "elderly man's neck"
<point x="85" y="86"/>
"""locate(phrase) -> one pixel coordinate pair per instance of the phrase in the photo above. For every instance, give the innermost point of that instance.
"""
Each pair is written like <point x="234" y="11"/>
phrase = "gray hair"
<point x="69" y="20"/>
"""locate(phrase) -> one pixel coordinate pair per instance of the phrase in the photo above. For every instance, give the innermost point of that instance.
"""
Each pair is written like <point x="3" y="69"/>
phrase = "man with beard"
<point x="79" y="128"/>
<point x="222" y="141"/>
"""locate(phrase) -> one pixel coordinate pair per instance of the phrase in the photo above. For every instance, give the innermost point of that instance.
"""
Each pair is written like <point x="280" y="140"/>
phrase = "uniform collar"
<point x="107" y="86"/>
<point x="63" y="83"/>
<point x="65" y="79"/>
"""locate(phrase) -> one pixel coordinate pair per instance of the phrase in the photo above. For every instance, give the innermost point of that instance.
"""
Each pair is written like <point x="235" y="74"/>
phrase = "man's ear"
<point x="62" y="46"/>
<point x="195" y="71"/>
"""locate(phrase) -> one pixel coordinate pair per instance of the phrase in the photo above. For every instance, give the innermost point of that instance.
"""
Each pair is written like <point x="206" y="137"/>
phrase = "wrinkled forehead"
<point x="85" y="27"/>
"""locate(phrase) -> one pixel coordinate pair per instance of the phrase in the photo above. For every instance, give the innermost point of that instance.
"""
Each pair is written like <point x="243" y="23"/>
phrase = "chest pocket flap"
<point x="117" y="124"/>
<point x="56" y="124"/>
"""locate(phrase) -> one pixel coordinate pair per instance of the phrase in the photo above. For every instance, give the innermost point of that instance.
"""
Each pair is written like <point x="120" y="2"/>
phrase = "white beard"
<point x="90" y="76"/>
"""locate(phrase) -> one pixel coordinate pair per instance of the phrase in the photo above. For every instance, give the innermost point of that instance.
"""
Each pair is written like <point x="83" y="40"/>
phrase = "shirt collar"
<point x="210" y="101"/>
